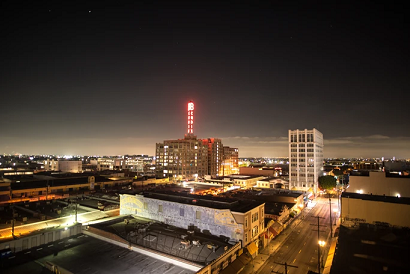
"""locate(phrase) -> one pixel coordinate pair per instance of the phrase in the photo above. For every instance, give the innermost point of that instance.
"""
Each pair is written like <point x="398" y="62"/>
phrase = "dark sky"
<point x="115" y="78"/>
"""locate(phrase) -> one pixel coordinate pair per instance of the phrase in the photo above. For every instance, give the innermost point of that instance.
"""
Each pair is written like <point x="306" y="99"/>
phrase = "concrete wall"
<point x="222" y="261"/>
<point x="374" y="211"/>
<point x="378" y="184"/>
<point x="256" y="171"/>
<point x="70" y="166"/>
<point x="217" y="221"/>
<point x="40" y="238"/>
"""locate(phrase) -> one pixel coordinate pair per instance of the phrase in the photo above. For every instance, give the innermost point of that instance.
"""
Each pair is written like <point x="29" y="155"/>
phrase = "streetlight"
<point x="321" y="244"/>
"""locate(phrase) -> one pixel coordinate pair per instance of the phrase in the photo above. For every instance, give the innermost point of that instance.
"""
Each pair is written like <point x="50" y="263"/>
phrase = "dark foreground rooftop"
<point x="372" y="249"/>
<point x="167" y="239"/>
<point x="83" y="255"/>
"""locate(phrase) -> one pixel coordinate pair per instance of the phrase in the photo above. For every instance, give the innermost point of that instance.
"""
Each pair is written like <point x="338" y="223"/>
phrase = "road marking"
<point x="294" y="260"/>
<point x="50" y="245"/>
<point x="39" y="248"/>
<point x="300" y="250"/>
<point x="61" y="242"/>
<point x="27" y="252"/>
<point x="12" y="257"/>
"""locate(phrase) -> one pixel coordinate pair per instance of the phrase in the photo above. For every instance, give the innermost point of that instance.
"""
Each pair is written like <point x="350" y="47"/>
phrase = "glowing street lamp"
<point x="321" y="244"/>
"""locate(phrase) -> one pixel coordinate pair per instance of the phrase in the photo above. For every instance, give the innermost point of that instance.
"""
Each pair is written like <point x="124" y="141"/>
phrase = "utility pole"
<point x="330" y="217"/>
<point x="286" y="267"/>
<point x="12" y="223"/>
<point x="318" y="240"/>
<point x="76" y="212"/>
<point x="338" y="199"/>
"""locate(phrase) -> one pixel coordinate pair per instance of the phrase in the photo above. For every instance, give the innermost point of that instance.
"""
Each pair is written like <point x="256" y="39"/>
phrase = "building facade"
<point x="226" y="218"/>
<point x="63" y="165"/>
<point x="182" y="159"/>
<point x="305" y="159"/>
<point x="230" y="161"/>
<point x="131" y="163"/>
<point x="374" y="209"/>
<point x="215" y="155"/>
<point x="379" y="183"/>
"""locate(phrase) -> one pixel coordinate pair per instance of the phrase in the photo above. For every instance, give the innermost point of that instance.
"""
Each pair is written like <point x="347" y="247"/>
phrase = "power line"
<point x="286" y="267"/>
<point x="318" y="239"/>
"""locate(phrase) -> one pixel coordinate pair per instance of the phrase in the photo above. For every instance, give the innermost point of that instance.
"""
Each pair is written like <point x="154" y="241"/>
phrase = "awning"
<point x="273" y="232"/>
<point x="233" y="268"/>
<point x="252" y="248"/>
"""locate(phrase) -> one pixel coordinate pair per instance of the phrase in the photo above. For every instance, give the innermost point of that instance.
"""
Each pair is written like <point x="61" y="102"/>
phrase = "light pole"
<point x="321" y="244"/>
<point x="335" y="210"/>
<point x="76" y="212"/>
<point x="330" y="212"/>
<point x="12" y="222"/>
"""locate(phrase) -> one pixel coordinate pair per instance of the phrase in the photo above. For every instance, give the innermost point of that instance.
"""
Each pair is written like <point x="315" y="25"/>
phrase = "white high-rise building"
<point x="305" y="159"/>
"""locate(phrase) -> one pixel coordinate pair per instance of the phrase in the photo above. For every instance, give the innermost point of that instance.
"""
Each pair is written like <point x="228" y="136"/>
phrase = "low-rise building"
<point x="380" y="183"/>
<point x="135" y="164"/>
<point x="230" y="162"/>
<point x="234" y="219"/>
<point x="246" y="181"/>
<point x="72" y="166"/>
<point x="374" y="209"/>
<point x="272" y="183"/>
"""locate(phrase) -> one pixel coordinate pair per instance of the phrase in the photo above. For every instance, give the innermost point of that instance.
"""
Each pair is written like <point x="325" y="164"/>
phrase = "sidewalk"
<point x="332" y="249"/>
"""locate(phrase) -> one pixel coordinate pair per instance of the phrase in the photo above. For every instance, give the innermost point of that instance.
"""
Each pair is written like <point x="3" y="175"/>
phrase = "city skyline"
<point x="278" y="147"/>
<point x="112" y="79"/>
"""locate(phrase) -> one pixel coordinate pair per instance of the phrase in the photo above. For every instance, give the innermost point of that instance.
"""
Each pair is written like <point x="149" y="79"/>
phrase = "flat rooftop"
<point x="378" y="198"/>
<point x="166" y="239"/>
<point x="280" y="192"/>
<point x="205" y="201"/>
<point x="82" y="254"/>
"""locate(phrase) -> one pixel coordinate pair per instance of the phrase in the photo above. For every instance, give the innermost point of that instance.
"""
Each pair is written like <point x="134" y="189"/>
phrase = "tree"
<point x="327" y="182"/>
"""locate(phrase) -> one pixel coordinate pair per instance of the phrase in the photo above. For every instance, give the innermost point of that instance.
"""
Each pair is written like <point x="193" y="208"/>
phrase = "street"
<point x="299" y="244"/>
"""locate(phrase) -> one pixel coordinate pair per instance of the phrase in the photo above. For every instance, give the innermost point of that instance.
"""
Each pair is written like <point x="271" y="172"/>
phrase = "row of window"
<point x="302" y="138"/>
<point x="255" y="217"/>
<point x="302" y="175"/>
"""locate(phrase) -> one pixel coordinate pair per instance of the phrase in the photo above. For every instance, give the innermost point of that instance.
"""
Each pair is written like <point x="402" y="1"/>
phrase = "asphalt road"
<point x="300" y="242"/>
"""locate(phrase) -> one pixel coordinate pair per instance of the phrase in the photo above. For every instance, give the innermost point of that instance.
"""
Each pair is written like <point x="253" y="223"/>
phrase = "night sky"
<point x="111" y="78"/>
